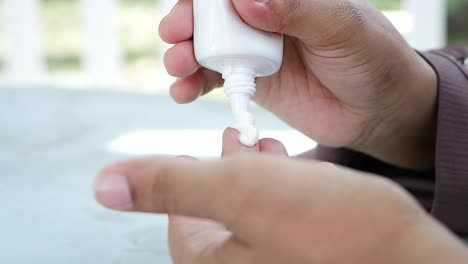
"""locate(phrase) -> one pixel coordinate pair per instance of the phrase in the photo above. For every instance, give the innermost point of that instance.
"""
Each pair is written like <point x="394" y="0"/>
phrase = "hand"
<point x="348" y="77"/>
<point x="191" y="238"/>
<point x="272" y="209"/>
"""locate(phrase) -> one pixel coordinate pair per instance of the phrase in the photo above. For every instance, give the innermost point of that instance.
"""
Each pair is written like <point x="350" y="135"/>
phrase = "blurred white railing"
<point x="23" y="54"/>
<point x="422" y="22"/>
<point x="102" y="55"/>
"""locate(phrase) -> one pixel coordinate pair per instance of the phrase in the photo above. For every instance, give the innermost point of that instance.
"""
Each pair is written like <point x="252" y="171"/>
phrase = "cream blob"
<point x="244" y="122"/>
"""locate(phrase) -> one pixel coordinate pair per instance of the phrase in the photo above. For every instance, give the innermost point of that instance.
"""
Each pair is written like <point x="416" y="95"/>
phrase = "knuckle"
<point x="346" y="21"/>
<point x="292" y="7"/>
<point x="160" y="194"/>
<point x="350" y="17"/>
<point x="352" y="13"/>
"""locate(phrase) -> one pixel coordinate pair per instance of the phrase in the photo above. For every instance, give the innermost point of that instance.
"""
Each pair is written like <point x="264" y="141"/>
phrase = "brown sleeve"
<point x="450" y="204"/>
<point x="421" y="184"/>
<point x="443" y="191"/>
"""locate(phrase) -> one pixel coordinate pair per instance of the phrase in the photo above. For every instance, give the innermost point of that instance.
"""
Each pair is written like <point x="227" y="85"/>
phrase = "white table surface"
<point x="52" y="143"/>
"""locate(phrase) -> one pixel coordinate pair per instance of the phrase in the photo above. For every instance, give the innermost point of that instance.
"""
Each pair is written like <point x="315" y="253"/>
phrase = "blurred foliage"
<point x="387" y="4"/>
<point x="63" y="41"/>
<point x="64" y="38"/>
<point x="458" y="22"/>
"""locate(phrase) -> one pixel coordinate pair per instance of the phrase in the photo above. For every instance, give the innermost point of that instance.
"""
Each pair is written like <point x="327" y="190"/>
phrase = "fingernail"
<point x="262" y="1"/>
<point x="112" y="191"/>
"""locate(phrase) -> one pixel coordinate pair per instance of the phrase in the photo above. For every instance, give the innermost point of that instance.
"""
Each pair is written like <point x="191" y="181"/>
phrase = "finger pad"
<point x="180" y="60"/>
<point x="178" y="25"/>
<point x="185" y="91"/>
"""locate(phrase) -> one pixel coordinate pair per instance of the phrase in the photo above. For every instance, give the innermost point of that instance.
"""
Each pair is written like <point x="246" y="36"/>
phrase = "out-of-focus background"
<point x="82" y="84"/>
<point x="81" y="43"/>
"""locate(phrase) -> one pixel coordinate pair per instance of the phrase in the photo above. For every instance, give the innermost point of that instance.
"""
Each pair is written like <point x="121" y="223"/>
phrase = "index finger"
<point x="177" y="26"/>
<point x="213" y="190"/>
<point x="176" y="186"/>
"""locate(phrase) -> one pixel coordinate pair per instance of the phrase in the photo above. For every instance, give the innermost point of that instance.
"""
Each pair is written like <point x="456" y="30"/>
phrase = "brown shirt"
<point x="444" y="190"/>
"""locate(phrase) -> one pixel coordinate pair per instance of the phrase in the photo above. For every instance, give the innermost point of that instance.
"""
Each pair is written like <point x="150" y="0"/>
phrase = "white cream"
<point x="244" y="122"/>
<point x="224" y="43"/>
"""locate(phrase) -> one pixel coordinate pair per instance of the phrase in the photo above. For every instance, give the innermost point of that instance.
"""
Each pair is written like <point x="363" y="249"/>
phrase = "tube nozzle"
<point x="239" y="86"/>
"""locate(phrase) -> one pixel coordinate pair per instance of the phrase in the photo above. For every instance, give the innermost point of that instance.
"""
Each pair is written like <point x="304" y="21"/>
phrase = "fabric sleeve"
<point x="450" y="203"/>
<point x="444" y="190"/>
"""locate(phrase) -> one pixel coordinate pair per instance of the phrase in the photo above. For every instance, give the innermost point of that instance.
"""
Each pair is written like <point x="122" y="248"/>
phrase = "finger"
<point x="188" y="236"/>
<point x="188" y="89"/>
<point x="191" y="239"/>
<point x="228" y="251"/>
<point x="304" y="19"/>
<point x="180" y="59"/>
<point x="182" y="228"/>
<point x="236" y="191"/>
<point x="213" y="190"/>
<point x="157" y="185"/>
<point x="212" y="80"/>
<point x="272" y="146"/>
<point x="177" y="26"/>
<point x="232" y="145"/>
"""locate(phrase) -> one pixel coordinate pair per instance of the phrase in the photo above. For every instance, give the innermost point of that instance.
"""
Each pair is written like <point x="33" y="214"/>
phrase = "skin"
<point x="346" y="69"/>
<point x="348" y="79"/>
<point x="258" y="206"/>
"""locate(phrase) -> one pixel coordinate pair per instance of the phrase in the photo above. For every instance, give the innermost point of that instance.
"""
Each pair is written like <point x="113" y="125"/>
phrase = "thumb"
<point x="307" y="20"/>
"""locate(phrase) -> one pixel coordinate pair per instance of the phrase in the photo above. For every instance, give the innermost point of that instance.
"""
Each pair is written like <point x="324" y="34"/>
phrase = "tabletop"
<point x="54" y="141"/>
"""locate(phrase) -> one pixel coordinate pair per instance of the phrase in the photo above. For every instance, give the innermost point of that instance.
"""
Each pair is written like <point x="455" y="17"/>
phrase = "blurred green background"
<point x="138" y="25"/>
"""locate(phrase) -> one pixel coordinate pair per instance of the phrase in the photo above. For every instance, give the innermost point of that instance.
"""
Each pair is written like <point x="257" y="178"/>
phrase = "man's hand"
<point x="192" y="238"/>
<point x="267" y="208"/>
<point x="348" y="78"/>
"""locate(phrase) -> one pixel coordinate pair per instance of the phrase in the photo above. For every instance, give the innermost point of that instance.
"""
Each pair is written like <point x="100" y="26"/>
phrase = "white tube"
<point x="226" y="44"/>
